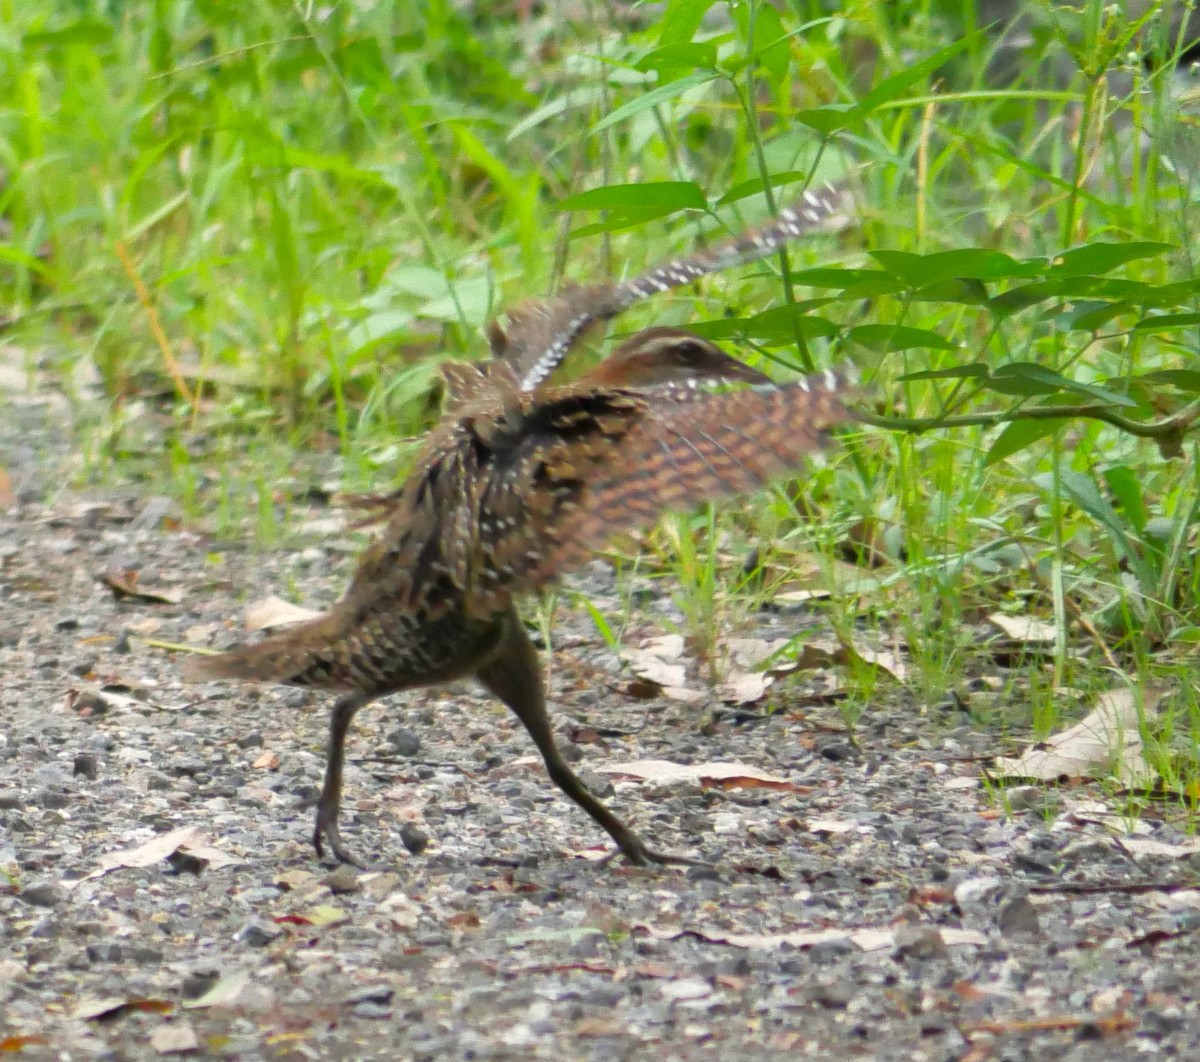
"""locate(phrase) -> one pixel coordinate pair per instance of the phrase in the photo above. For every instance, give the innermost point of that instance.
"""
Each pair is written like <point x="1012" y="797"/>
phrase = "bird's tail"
<point x="288" y="657"/>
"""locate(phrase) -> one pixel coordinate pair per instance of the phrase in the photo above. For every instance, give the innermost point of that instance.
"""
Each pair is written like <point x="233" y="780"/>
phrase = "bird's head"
<point x="657" y="356"/>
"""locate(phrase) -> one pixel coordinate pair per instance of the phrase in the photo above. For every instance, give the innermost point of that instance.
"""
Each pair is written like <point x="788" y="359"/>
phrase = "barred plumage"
<point x="540" y="335"/>
<point x="516" y="487"/>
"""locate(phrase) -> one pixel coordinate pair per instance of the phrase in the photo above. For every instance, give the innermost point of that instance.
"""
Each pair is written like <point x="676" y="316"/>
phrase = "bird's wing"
<point x="540" y="334"/>
<point x="711" y="447"/>
<point x="585" y="465"/>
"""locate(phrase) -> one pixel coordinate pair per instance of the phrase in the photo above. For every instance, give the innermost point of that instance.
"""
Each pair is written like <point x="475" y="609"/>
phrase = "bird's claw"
<point x="640" y="855"/>
<point x="327" y="828"/>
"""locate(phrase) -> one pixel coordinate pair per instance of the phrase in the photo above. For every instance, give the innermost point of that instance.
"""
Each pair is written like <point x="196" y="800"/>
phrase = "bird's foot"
<point x="641" y="855"/>
<point x="327" y="829"/>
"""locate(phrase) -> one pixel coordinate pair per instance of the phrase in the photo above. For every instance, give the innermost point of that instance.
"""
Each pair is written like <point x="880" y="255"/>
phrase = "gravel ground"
<point x="158" y="894"/>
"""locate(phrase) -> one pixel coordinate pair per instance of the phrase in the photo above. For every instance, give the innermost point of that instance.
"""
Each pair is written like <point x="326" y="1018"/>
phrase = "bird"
<point x="519" y="483"/>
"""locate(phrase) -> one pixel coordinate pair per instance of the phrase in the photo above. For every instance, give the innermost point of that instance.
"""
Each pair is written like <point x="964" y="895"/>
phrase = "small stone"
<point x="107" y="952"/>
<point x="174" y="1039"/>
<point x="256" y="934"/>
<point x="343" y="880"/>
<point x="834" y="996"/>
<point x="1018" y="915"/>
<point x="405" y="742"/>
<point x="86" y="765"/>
<point x="837" y="751"/>
<point x="413" y="838"/>
<point x="919" y="942"/>
<point x="250" y="741"/>
<point x="704" y="872"/>
<point x="89" y="704"/>
<point x="826" y="951"/>
<point x="370" y="994"/>
<point x="40" y="895"/>
<point x="597" y="784"/>
<point x="197" y="984"/>
<point x="1036" y="862"/>
<point x="53" y="801"/>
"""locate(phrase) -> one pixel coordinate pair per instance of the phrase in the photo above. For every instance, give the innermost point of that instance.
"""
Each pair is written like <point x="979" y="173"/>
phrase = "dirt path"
<point x="877" y="906"/>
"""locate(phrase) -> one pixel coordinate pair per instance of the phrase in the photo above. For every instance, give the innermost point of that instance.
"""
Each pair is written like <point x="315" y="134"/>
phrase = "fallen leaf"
<point x="8" y="496"/>
<point x="327" y="915"/>
<point x="89" y="700"/>
<point x="888" y="660"/>
<point x="213" y="858"/>
<point x="224" y="993"/>
<point x="813" y="655"/>
<point x="651" y="667"/>
<point x="1107" y="741"/>
<point x="1148" y="846"/>
<point x="664" y="771"/>
<point x="744" y="687"/>
<point x="267" y="761"/>
<point x="799" y="597"/>
<point x="751" y="653"/>
<point x="125" y="584"/>
<point x="1025" y="629"/>
<point x="961" y="783"/>
<point x="832" y="826"/>
<point x="17" y="1044"/>
<point x="92" y="1009"/>
<point x="682" y="694"/>
<point x="156" y="850"/>
<point x="275" y="612"/>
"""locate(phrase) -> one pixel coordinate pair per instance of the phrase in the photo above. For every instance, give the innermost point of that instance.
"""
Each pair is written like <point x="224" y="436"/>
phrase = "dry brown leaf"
<point x="1149" y="846"/>
<point x="96" y="1008"/>
<point x="125" y="584"/>
<point x="751" y="653"/>
<point x="664" y="771"/>
<point x="1025" y="629"/>
<point x="16" y="1044"/>
<point x="658" y="661"/>
<point x="744" y="687"/>
<point x="267" y="761"/>
<point x="814" y="655"/>
<point x="8" y="496"/>
<point x="888" y="660"/>
<point x="652" y="668"/>
<point x="1105" y="742"/>
<point x="186" y="839"/>
<point x="275" y="612"/>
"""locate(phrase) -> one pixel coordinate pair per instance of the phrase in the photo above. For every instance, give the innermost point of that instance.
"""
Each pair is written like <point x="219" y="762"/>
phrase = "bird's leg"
<point x="344" y="710"/>
<point x="514" y="675"/>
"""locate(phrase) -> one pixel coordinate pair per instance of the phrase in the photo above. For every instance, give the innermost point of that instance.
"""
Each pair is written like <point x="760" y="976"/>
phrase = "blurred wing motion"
<point x="540" y="335"/>
<point x="612" y="461"/>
